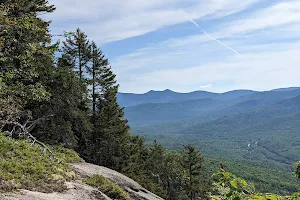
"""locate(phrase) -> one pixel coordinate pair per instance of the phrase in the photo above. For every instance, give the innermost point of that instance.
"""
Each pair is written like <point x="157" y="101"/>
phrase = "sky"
<point x="190" y="45"/>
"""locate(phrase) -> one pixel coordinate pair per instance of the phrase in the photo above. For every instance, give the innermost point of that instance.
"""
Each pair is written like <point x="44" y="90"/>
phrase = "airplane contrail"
<point x="208" y="35"/>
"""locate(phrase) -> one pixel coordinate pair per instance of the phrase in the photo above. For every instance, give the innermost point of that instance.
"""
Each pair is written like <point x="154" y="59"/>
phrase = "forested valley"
<point x="62" y="97"/>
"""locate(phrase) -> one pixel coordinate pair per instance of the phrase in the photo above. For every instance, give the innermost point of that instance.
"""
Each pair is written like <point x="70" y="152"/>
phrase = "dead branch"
<point x="25" y="130"/>
<point x="35" y="122"/>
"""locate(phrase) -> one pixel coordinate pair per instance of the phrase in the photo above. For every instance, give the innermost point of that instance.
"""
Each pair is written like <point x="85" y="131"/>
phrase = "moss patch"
<point x="25" y="166"/>
<point x="111" y="190"/>
<point x="66" y="155"/>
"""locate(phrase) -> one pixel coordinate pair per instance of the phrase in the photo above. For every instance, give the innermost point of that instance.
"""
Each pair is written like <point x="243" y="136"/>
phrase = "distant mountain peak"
<point x="166" y="90"/>
<point x="167" y="95"/>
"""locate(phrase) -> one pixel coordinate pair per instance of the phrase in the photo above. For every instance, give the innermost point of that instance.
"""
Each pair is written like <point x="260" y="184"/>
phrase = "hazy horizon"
<point x="291" y="87"/>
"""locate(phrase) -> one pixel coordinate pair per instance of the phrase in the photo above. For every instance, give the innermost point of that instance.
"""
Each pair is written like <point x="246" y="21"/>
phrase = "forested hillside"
<point x="255" y="130"/>
<point x="59" y="103"/>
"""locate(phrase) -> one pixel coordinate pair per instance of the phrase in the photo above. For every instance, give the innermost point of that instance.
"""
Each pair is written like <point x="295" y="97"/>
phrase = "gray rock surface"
<point x="136" y="191"/>
<point x="76" y="191"/>
<point x="81" y="191"/>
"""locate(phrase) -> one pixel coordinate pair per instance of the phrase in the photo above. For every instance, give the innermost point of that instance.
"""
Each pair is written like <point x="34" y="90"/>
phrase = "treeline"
<point x="70" y="100"/>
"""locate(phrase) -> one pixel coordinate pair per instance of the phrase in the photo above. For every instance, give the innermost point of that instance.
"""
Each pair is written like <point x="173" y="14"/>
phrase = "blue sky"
<point x="153" y="45"/>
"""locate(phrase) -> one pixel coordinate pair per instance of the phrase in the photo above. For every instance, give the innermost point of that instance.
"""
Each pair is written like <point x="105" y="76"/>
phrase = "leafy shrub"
<point x="229" y="187"/>
<point x="107" y="187"/>
<point x="26" y="165"/>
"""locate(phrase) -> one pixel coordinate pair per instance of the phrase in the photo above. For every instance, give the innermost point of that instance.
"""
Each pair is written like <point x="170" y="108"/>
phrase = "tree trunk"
<point x="94" y="95"/>
<point x="79" y="60"/>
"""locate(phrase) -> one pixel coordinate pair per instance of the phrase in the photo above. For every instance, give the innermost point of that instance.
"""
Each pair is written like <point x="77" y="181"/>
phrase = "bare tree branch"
<point x="35" y="122"/>
<point x="25" y="131"/>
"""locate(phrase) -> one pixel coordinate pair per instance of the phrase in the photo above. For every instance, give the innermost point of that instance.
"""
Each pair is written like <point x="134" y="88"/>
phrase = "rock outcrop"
<point x="80" y="191"/>
<point x="76" y="191"/>
<point x="136" y="191"/>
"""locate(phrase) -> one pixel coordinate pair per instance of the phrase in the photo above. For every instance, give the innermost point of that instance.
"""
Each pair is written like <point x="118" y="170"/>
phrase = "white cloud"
<point x="269" y="37"/>
<point x="276" y="15"/>
<point x="107" y="20"/>
<point x="267" y="71"/>
<point x="206" y="86"/>
<point x="282" y="15"/>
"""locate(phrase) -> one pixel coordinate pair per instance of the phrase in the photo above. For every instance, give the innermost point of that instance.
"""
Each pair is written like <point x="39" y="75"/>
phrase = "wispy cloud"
<point x="266" y="71"/>
<point x="190" y="60"/>
<point x="276" y="16"/>
<point x="107" y="21"/>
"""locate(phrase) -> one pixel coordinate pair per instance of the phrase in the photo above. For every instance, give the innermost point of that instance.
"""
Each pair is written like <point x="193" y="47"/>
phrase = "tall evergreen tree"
<point x="111" y="131"/>
<point x="192" y="163"/>
<point x="25" y="49"/>
<point x="156" y="158"/>
<point x="70" y="125"/>
<point x="78" y="47"/>
<point x="173" y="176"/>
<point x="155" y="167"/>
<point x="111" y="138"/>
<point x="99" y="62"/>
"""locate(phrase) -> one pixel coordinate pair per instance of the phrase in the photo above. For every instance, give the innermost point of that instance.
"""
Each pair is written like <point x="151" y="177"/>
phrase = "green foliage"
<point x="78" y="49"/>
<point x="67" y="155"/>
<point x="268" y="122"/>
<point x="111" y="133"/>
<point x="111" y="190"/>
<point x="24" y="47"/>
<point x="70" y="126"/>
<point x="97" y="73"/>
<point x="192" y="163"/>
<point x="253" y="165"/>
<point x="139" y="166"/>
<point x="23" y="165"/>
<point x="297" y="168"/>
<point x="230" y="187"/>
<point x="166" y="173"/>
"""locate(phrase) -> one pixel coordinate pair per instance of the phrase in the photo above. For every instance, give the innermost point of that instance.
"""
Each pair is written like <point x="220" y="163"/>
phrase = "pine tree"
<point x="25" y="51"/>
<point x="111" y="138"/>
<point x="156" y="169"/>
<point x="136" y="157"/>
<point x="111" y="131"/>
<point x="173" y="176"/>
<point x="70" y="125"/>
<point x="78" y="47"/>
<point x="96" y="72"/>
<point x="192" y="163"/>
<point x="156" y="158"/>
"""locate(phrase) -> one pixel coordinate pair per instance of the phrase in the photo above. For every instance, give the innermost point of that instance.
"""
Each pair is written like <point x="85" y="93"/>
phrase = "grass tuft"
<point x="25" y="166"/>
<point x="111" y="190"/>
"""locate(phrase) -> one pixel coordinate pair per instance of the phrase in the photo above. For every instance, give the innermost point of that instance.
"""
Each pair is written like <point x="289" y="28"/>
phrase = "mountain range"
<point x="157" y="107"/>
<point x="260" y="128"/>
<point x="233" y="118"/>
